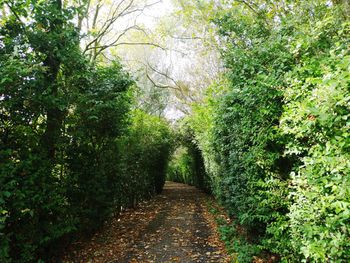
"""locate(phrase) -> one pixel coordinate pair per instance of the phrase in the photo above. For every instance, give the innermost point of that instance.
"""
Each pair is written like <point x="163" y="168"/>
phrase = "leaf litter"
<point x="175" y="226"/>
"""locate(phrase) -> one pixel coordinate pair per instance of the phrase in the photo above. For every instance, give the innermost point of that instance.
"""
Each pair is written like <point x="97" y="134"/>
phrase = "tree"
<point x="187" y="63"/>
<point x="106" y="24"/>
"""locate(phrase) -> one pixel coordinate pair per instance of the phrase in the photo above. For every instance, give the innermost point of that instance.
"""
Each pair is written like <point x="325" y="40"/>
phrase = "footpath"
<point x="172" y="227"/>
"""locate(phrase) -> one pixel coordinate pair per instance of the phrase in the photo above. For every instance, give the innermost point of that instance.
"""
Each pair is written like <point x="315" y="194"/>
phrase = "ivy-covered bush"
<point x="99" y="119"/>
<point x="41" y="70"/>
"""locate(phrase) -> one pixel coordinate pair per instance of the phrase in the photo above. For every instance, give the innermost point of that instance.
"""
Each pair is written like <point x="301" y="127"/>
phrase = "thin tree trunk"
<point x="54" y="114"/>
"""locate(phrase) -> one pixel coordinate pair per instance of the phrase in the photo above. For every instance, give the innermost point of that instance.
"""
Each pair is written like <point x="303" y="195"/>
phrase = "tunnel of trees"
<point x="264" y="120"/>
<point x="186" y="164"/>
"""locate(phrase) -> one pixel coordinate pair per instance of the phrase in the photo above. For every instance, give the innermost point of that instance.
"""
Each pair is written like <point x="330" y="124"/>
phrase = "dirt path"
<point x="173" y="227"/>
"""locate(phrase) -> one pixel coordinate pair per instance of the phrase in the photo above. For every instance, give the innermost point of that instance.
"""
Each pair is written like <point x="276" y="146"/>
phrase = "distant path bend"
<point x="172" y="227"/>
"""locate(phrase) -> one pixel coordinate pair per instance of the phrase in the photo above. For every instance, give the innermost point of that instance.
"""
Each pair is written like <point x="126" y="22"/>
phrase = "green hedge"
<point x="274" y="132"/>
<point x="72" y="153"/>
<point x="145" y="155"/>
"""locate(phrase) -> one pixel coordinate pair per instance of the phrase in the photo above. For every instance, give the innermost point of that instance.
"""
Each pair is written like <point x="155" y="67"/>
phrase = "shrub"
<point x="275" y="137"/>
<point x="71" y="154"/>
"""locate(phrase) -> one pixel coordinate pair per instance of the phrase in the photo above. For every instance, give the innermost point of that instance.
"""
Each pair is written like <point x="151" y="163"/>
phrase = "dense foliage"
<point x="180" y="167"/>
<point x="71" y="151"/>
<point x="187" y="164"/>
<point x="270" y="138"/>
<point x="274" y="133"/>
<point x="146" y="151"/>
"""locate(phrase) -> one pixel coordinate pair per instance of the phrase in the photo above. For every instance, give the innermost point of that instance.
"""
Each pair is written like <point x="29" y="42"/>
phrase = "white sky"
<point x="152" y="15"/>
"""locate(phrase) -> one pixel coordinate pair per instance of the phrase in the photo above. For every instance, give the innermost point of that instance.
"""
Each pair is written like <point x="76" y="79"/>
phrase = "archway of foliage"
<point x="186" y="164"/>
<point x="72" y="152"/>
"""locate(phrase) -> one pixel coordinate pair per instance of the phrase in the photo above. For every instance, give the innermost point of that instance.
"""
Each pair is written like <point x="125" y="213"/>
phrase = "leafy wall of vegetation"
<point x="71" y="150"/>
<point x="274" y="133"/>
<point x="146" y="152"/>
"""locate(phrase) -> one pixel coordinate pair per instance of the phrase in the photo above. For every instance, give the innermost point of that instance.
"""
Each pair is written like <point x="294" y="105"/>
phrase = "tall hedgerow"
<point x="277" y="135"/>
<point x="72" y="153"/>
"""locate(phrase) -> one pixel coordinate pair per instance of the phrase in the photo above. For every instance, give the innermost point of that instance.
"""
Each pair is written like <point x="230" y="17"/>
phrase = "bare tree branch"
<point x="107" y="24"/>
<point x="133" y="43"/>
<point x="177" y="87"/>
<point x="162" y="73"/>
<point x="107" y="27"/>
<point x="158" y="85"/>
